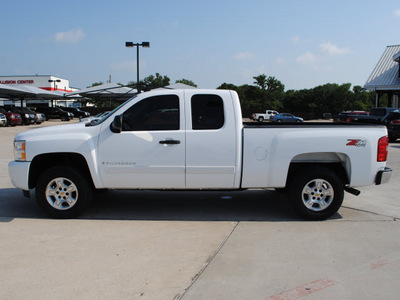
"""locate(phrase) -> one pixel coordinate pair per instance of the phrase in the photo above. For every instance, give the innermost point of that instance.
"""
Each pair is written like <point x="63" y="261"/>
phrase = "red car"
<point x="12" y="118"/>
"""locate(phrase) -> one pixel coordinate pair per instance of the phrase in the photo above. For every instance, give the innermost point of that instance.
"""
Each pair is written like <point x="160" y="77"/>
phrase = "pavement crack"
<point x="207" y="263"/>
<point x="371" y="212"/>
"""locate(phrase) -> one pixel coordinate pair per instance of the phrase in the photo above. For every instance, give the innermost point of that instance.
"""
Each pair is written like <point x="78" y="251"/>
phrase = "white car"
<point x="3" y="120"/>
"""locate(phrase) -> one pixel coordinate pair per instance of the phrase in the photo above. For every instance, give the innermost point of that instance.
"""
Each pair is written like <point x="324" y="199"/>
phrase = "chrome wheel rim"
<point x="317" y="194"/>
<point x="61" y="193"/>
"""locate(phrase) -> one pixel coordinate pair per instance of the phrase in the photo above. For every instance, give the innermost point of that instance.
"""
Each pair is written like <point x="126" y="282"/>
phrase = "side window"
<point x="153" y="113"/>
<point x="207" y="112"/>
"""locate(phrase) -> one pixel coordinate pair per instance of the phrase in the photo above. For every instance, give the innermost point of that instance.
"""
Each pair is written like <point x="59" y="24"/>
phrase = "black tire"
<point x="279" y="121"/>
<point x="260" y="119"/>
<point x="63" y="192"/>
<point x="316" y="193"/>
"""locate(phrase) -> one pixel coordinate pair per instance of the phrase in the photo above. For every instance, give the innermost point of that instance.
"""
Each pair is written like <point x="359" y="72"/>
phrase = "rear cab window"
<point x="207" y="112"/>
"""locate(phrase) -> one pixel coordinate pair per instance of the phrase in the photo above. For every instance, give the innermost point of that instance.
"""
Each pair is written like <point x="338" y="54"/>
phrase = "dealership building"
<point x="32" y="83"/>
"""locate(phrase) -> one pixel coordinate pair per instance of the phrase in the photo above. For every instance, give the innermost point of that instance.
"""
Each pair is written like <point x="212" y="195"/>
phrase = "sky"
<point x="301" y="43"/>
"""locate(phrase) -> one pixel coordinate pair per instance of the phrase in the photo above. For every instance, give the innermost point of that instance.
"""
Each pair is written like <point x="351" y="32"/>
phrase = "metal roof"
<point x="385" y="76"/>
<point x="27" y="92"/>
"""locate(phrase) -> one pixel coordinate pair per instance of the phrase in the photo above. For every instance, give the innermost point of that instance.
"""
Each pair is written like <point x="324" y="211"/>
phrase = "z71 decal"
<point x="356" y="142"/>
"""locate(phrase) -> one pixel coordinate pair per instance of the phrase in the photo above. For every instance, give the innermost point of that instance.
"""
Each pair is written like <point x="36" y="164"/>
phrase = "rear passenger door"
<point x="210" y="141"/>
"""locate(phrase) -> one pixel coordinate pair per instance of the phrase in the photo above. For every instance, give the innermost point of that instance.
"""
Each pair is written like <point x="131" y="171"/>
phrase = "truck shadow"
<point x="249" y="205"/>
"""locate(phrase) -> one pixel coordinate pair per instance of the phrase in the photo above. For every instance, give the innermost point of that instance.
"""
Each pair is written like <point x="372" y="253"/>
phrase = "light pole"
<point x="144" y="45"/>
<point x="55" y="87"/>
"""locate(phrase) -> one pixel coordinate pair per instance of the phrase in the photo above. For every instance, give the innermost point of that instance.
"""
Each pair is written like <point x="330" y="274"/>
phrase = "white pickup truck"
<point x="195" y="140"/>
<point x="260" y="117"/>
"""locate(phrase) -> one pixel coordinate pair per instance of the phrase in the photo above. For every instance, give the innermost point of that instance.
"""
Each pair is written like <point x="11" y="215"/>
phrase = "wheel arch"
<point x="339" y="163"/>
<point x="43" y="162"/>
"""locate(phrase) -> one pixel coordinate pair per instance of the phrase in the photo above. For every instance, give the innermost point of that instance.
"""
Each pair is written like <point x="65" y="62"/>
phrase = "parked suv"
<point x="12" y="118"/>
<point x="77" y="112"/>
<point x="392" y="122"/>
<point x="27" y="117"/>
<point x="55" y="113"/>
<point x="39" y="117"/>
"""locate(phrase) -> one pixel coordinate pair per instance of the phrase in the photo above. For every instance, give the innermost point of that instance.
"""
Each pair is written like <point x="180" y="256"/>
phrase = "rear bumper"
<point x="383" y="176"/>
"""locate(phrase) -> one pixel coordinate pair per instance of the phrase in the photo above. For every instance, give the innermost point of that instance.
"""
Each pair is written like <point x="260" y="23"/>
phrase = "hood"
<point x="59" y="130"/>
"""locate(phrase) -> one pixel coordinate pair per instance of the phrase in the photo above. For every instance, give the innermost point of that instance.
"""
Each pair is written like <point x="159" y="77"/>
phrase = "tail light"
<point x="383" y="144"/>
<point x="395" y="122"/>
<point x="348" y="120"/>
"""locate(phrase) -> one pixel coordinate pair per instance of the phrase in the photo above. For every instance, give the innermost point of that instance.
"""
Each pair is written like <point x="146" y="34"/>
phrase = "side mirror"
<point x="116" y="125"/>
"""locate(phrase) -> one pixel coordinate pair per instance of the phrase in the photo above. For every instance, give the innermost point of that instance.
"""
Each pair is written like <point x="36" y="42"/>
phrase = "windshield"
<point x="99" y="121"/>
<point x="26" y="110"/>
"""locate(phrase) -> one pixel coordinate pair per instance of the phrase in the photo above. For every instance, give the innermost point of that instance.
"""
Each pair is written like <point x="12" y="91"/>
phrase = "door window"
<point x="153" y="113"/>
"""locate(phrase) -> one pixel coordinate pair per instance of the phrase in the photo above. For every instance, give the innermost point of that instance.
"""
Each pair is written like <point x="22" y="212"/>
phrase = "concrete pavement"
<point x="218" y="245"/>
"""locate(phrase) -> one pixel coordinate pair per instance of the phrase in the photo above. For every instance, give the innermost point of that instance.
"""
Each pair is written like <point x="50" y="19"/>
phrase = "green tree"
<point x="95" y="84"/>
<point x="249" y="96"/>
<point x="227" y="86"/>
<point x="361" y="99"/>
<point x="275" y="94"/>
<point x="151" y="82"/>
<point x="186" y="81"/>
<point x="261" y="81"/>
<point x="271" y="92"/>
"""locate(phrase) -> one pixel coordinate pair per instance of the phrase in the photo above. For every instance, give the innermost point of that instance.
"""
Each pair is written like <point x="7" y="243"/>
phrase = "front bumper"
<point x="383" y="176"/>
<point x="19" y="174"/>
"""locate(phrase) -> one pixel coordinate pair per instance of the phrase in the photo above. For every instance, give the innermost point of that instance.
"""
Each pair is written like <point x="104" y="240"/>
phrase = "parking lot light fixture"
<point x="144" y="45"/>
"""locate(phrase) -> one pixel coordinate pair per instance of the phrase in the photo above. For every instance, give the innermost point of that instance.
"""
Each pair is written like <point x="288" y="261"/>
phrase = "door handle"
<point x="170" y="142"/>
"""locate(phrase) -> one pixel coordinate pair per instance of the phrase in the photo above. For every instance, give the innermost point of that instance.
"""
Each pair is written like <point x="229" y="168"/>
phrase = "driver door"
<point x="150" y="150"/>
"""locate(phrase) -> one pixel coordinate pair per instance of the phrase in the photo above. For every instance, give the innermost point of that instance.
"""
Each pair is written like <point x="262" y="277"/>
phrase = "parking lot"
<point x="199" y="245"/>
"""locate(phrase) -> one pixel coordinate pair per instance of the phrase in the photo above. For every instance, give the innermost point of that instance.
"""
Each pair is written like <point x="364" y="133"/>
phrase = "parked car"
<point x="392" y="122"/>
<point x="375" y="115"/>
<point x="3" y="120"/>
<point x="39" y="117"/>
<point x="77" y="112"/>
<point x="286" y="118"/>
<point x="264" y="116"/>
<point x="27" y="117"/>
<point x="95" y="118"/>
<point x="349" y="116"/>
<point x="55" y="113"/>
<point x="12" y="118"/>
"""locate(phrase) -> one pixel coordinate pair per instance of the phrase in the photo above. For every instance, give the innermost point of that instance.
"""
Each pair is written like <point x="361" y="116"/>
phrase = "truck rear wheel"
<point x="316" y="193"/>
<point x="260" y="119"/>
<point x="63" y="192"/>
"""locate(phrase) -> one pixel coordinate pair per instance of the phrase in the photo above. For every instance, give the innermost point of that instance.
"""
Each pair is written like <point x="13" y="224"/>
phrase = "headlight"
<point x="20" y="150"/>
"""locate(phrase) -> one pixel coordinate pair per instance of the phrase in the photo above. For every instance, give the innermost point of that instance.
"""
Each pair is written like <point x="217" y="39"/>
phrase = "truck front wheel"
<point x="63" y="192"/>
<point x="316" y="193"/>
